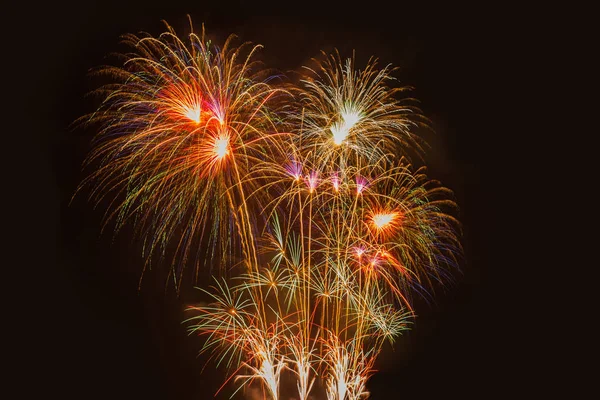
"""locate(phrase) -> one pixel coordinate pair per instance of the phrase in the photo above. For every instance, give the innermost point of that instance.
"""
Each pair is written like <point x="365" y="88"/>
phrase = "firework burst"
<point x="354" y="117"/>
<point x="180" y="129"/>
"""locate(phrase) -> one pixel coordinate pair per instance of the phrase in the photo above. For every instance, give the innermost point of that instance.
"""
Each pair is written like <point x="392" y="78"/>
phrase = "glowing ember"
<point x="359" y="251"/>
<point x="361" y="184"/>
<point x="312" y="180"/>
<point x="335" y="181"/>
<point x="294" y="169"/>
<point x="221" y="146"/>
<point x="193" y="113"/>
<point x="383" y="220"/>
<point x="349" y="118"/>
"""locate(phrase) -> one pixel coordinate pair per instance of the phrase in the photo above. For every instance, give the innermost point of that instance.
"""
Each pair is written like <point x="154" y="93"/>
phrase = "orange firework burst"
<point x="180" y="131"/>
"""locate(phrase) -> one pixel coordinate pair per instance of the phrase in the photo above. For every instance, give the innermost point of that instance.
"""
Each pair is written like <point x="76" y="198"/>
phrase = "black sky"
<point x="91" y="334"/>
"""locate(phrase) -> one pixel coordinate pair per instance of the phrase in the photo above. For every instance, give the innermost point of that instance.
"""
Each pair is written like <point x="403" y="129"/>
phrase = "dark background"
<point x="89" y="333"/>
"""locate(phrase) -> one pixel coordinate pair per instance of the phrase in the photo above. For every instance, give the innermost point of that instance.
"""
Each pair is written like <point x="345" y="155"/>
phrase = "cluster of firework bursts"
<point x="304" y="195"/>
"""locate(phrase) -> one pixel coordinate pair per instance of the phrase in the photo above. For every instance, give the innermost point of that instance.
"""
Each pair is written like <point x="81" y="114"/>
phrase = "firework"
<point x="180" y="128"/>
<point x="311" y="187"/>
<point x="353" y="117"/>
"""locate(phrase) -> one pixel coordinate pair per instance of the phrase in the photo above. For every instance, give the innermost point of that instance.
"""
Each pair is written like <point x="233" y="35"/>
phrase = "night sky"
<point x="92" y="335"/>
